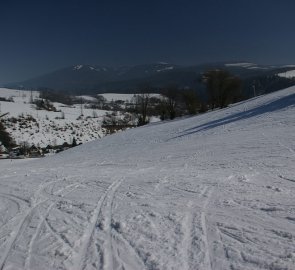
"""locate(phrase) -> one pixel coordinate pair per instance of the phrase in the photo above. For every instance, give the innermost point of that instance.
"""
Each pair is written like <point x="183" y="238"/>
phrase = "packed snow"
<point x="211" y="192"/>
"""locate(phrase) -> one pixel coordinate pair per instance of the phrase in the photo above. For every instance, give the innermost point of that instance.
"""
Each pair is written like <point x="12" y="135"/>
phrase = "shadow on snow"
<point x="273" y="106"/>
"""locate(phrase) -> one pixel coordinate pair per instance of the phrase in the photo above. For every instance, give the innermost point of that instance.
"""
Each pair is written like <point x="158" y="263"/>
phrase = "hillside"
<point x="211" y="192"/>
<point x="28" y="125"/>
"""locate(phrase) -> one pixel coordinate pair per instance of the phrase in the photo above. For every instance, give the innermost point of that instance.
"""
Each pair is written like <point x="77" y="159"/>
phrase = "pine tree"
<point x="5" y="137"/>
<point x="74" y="143"/>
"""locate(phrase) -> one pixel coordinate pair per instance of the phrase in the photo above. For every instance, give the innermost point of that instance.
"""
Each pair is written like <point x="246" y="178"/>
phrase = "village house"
<point x="35" y="152"/>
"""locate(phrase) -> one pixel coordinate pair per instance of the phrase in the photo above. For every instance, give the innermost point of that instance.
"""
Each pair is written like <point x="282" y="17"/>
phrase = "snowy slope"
<point x="211" y="192"/>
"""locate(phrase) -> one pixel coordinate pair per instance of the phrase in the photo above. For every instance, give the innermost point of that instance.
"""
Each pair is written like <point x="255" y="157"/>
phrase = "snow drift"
<point x="215" y="191"/>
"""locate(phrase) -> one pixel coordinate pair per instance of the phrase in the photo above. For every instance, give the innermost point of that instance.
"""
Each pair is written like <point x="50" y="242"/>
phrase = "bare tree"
<point x="5" y="137"/>
<point x="171" y="100"/>
<point x="222" y="87"/>
<point x="190" y="100"/>
<point x="142" y="102"/>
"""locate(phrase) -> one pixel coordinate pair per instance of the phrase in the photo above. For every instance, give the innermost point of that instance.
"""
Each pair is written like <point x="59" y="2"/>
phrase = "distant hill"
<point x="93" y="79"/>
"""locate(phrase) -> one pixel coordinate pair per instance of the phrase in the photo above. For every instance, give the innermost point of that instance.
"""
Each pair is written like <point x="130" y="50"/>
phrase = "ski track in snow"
<point x="211" y="192"/>
<point x="204" y="229"/>
<point x="188" y="224"/>
<point x="107" y="198"/>
<point x="41" y="224"/>
<point x="25" y="219"/>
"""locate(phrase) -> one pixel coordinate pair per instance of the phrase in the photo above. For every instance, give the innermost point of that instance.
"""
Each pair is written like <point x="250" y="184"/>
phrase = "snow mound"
<point x="215" y="191"/>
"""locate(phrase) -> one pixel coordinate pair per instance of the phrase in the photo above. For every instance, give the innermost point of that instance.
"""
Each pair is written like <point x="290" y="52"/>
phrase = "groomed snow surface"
<point x="215" y="191"/>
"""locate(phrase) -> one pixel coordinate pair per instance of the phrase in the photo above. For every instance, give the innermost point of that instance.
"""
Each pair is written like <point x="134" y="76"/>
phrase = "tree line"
<point x="222" y="88"/>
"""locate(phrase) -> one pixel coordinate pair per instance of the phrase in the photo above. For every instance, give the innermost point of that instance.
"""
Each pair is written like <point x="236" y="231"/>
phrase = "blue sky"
<point x="42" y="36"/>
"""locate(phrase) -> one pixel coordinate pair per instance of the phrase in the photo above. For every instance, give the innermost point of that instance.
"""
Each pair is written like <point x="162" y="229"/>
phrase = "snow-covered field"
<point x="215" y="191"/>
<point x="287" y="74"/>
<point x="48" y="127"/>
<point x="114" y="96"/>
<point x="124" y="97"/>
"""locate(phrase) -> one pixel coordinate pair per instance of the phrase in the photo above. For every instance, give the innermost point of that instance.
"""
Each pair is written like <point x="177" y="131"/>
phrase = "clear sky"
<point x="45" y="35"/>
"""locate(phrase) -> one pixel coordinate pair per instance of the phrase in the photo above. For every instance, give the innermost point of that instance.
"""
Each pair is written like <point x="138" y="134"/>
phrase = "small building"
<point x="15" y="152"/>
<point x="35" y="152"/>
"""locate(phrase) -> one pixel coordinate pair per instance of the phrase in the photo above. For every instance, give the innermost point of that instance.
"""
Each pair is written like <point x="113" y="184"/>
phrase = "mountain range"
<point x="95" y="79"/>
